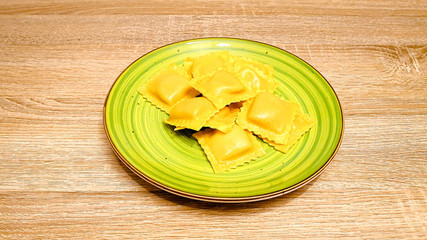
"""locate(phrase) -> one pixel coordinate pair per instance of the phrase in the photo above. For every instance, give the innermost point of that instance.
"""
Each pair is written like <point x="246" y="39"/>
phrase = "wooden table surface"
<point x="60" y="179"/>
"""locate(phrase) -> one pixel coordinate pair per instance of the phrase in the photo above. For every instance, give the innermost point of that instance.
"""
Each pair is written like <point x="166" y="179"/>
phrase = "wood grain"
<point x="217" y="8"/>
<point x="60" y="179"/>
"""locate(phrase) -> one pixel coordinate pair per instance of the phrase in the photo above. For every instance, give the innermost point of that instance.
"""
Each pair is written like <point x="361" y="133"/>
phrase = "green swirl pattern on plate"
<point x="175" y="162"/>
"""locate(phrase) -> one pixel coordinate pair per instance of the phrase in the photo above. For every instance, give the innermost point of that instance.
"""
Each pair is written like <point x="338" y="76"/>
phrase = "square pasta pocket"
<point x="229" y="150"/>
<point x="257" y="76"/>
<point x="208" y="64"/>
<point x="222" y="88"/>
<point x="224" y="119"/>
<point x="168" y="87"/>
<point x="191" y="113"/>
<point x="268" y="116"/>
<point x="301" y="125"/>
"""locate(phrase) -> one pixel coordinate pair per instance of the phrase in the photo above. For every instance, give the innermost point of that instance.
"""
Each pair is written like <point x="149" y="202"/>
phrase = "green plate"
<point x="175" y="162"/>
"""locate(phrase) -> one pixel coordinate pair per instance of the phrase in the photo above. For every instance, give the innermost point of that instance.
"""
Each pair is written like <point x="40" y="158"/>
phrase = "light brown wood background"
<point x="60" y="179"/>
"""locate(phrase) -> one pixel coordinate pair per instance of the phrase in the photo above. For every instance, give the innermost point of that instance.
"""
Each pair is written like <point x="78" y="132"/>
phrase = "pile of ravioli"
<point x="229" y="101"/>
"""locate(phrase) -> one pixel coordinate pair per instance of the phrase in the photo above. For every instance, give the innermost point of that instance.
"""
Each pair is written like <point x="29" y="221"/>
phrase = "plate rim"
<point x="213" y="198"/>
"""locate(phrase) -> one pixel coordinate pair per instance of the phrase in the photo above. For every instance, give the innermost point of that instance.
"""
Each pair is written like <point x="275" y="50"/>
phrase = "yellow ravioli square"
<point x="224" y="119"/>
<point x="258" y="77"/>
<point x="168" y="87"/>
<point x="209" y="63"/>
<point x="222" y="88"/>
<point x="191" y="113"/>
<point x="268" y="116"/>
<point x="302" y="124"/>
<point x="229" y="150"/>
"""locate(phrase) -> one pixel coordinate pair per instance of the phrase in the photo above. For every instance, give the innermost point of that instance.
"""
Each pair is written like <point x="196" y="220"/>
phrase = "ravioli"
<point x="268" y="116"/>
<point x="222" y="88"/>
<point x="209" y="63"/>
<point x="301" y="125"/>
<point x="258" y="77"/>
<point x="168" y="87"/>
<point x="229" y="150"/>
<point x="191" y="113"/>
<point x="224" y="119"/>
